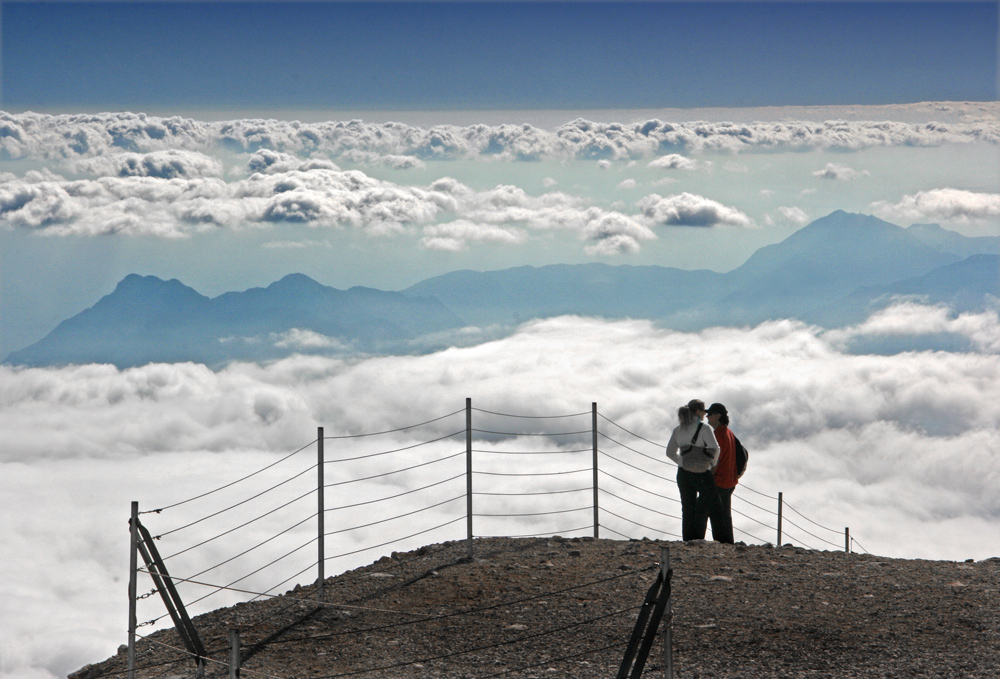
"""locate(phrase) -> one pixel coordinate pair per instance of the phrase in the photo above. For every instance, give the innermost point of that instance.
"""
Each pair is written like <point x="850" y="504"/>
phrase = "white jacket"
<point x="694" y="461"/>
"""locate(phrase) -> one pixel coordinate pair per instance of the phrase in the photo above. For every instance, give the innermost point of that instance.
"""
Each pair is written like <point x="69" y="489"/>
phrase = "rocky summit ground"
<point x="555" y="607"/>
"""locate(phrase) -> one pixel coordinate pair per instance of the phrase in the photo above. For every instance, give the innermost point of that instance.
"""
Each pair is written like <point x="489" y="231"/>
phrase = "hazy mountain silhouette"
<point x="147" y="319"/>
<point x="835" y="271"/>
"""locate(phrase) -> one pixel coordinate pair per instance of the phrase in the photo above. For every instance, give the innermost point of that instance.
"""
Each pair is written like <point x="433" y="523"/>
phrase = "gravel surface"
<point x="553" y="607"/>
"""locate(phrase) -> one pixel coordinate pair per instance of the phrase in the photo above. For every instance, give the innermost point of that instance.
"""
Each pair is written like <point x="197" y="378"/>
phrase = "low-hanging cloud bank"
<point x="900" y="448"/>
<point x="39" y="136"/>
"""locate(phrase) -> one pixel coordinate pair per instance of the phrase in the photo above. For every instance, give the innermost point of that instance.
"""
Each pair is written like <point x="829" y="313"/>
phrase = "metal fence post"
<point x="779" y="520"/>
<point x="234" y="654"/>
<point x="133" y="565"/>
<point x="593" y="420"/>
<point x="468" y="473"/>
<point x="321" y="528"/>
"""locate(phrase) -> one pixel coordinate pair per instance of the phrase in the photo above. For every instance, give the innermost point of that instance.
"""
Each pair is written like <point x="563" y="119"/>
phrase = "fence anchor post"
<point x="779" y="520"/>
<point x="468" y="474"/>
<point x="234" y="654"/>
<point x="847" y="539"/>
<point x="133" y="565"/>
<point x="320" y="463"/>
<point x="593" y="424"/>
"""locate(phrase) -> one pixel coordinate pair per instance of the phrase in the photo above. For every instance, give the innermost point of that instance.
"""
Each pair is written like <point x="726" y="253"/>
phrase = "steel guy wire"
<point x="243" y="502"/>
<point x="531" y="452"/>
<point x="644" y="471"/>
<point x="574" y="471"/>
<point x="808" y="519"/>
<point x="469" y="611"/>
<point x="395" y="450"/>
<point x="792" y="523"/>
<point x="855" y="542"/>
<point x="632" y="485"/>
<point x="109" y="673"/>
<point x="485" y="647"/>
<point x="531" y="417"/>
<point x="747" y="516"/>
<point x="751" y="535"/>
<point x="771" y="497"/>
<point x="204" y="657"/>
<point x="558" y="511"/>
<point x="267" y="513"/>
<point x="397" y="471"/>
<point x="634" y="504"/>
<point x="242" y="525"/>
<point x="285" y="581"/>
<point x="658" y="530"/>
<point x="543" y="492"/>
<point x="393" y="497"/>
<point x="365" y="549"/>
<point x="763" y="509"/>
<point x="550" y="661"/>
<point x="548" y="533"/>
<point x="666" y="461"/>
<point x="400" y="516"/>
<point x="392" y="564"/>
<point x="196" y="497"/>
<point x="392" y="431"/>
<point x="267" y="565"/>
<point x="260" y="544"/>
<point x="512" y="433"/>
<point x="659" y="445"/>
<point x="801" y="544"/>
<point x="615" y="532"/>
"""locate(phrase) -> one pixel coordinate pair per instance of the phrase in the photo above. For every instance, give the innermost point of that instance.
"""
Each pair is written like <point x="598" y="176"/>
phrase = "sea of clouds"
<point x="134" y="174"/>
<point x="900" y="448"/>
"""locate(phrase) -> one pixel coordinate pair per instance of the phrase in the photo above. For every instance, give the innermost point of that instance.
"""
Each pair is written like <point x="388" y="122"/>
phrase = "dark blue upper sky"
<point x="483" y="55"/>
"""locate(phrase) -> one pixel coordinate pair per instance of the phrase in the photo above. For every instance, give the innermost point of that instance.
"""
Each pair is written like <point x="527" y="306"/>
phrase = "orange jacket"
<point x="725" y="471"/>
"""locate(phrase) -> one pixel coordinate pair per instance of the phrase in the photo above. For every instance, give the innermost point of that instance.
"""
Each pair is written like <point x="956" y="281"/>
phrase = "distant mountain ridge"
<point x="147" y="319"/>
<point x="835" y="271"/>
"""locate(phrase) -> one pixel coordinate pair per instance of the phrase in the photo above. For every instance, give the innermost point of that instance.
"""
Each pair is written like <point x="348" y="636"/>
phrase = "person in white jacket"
<point x="694" y="448"/>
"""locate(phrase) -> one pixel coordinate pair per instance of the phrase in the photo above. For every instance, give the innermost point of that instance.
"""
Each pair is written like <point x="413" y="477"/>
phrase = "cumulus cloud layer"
<point x="47" y="137"/>
<point x="900" y="448"/>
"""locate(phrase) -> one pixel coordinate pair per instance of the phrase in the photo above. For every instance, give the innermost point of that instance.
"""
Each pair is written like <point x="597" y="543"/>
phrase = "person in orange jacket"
<point x="725" y="471"/>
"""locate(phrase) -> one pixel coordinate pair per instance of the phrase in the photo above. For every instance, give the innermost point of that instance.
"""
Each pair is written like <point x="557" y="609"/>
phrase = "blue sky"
<point x="484" y="55"/>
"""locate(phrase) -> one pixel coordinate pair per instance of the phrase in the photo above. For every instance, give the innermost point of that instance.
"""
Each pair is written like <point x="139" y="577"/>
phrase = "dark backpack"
<point x="742" y="456"/>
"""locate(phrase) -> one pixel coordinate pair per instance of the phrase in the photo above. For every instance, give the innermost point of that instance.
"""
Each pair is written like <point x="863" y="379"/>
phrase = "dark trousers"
<point x="701" y="502"/>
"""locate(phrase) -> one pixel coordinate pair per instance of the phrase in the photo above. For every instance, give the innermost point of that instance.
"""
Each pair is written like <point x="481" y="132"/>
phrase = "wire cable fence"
<point x="347" y="500"/>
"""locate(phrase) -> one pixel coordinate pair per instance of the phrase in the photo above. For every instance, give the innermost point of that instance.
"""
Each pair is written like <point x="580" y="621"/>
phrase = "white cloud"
<point x="57" y="138"/>
<point x="900" y="448"/>
<point x="795" y="215"/>
<point x="627" y="184"/>
<point x="942" y="205"/>
<point x="909" y="318"/>
<point x="687" y="209"/>
<point x="839" y="172"/>
<point x="455" y="236"/>
<point x="673" y="161"/>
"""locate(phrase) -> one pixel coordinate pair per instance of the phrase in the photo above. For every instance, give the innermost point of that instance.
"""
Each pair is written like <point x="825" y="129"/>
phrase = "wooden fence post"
<point x="468" y="473"/>
<point x="593" y="424"/>
<point x="779" y="520"/>
<point x="133" y="565"/>
<point x="847" y="539"/>
<point x="321" y="528"/>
